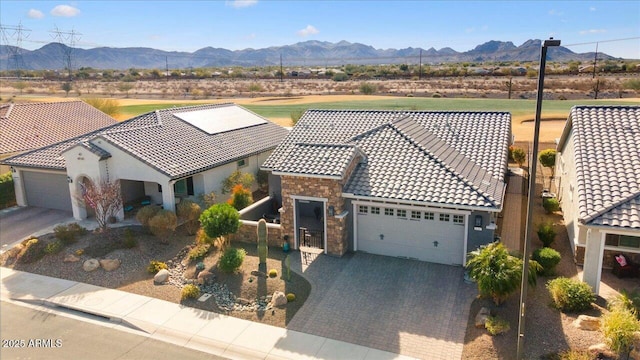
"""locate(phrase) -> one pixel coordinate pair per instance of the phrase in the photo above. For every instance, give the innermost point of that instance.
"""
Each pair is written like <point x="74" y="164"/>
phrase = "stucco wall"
<point x="248" y="233"/>
<point x="565" y="181"/>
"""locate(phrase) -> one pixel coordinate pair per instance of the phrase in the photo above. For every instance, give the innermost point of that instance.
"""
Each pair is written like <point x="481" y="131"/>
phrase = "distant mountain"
<point x="308" y="53"/>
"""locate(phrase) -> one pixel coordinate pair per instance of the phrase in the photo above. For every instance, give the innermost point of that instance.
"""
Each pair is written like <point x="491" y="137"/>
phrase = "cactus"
<point x="262" y="241"/>
<point x="287" y="264"/>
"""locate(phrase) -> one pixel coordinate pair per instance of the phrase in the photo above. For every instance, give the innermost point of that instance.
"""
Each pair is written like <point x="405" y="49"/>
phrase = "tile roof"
<point x="320" y="159"/>
<point x="433" y="157"/>
<point x="607" y="154"/>
<point x="30" y="126"/>
<point x="167" y="143"/>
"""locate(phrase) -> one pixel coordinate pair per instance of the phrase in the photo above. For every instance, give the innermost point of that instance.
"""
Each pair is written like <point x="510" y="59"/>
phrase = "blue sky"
<point x="461" y="25"/>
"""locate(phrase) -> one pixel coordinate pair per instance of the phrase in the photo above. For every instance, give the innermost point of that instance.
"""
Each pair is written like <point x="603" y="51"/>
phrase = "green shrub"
<point x="618" y="327"/>
<point x="496" y="325"/>
<point x="546" y="234"/>
<point x="627" y="300"/>
<point x="237" y="177"/>
<point x="220" y="220"/>
<point x="273" y="273"/>
<point x="291" y="297"/>
<point x="53" y="247"/>
<point x="7" y="191"/>
<point x="231" y="260"/>
<point x="33" y="251"/>
<point x="199" y="252"/>
<point x="102" y="248"/>
<point x="296" y="115"/>
<point x="146" y="213"/>
<point x="190" y="291"/>
<point x="189" y="212"/>
<point x="550" y="205"/>
<point x="203" y="238"/>
<point x="163" y="224"/>
<point x="570" y="295"/>
<point x="436" y="95"/>
<point x="548" y="258"/>
<point x="129" y="241"/>
<point x="155" y="266"/>
<point x="340" y="77"/>
<point x="241" y="197"/>
<point x="69" y="233"/>
<point x="368" y="88"/>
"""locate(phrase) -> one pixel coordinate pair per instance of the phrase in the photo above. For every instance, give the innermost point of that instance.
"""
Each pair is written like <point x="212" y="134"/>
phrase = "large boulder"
<point x="161" y="277"/>
<point x="279" y="299"/>
<point x="586" y="322"/>
<point x="481" y="318"/>
<point x="90" y="265"/>
<point x="70" y="258"/>
<point x="601" y="350"/>
<point x="206" y="278"/>
<point x="110" y="264"/>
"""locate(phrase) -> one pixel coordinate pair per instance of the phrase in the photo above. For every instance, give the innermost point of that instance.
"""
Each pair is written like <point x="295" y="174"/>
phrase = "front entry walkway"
<point x="409" y="307"/>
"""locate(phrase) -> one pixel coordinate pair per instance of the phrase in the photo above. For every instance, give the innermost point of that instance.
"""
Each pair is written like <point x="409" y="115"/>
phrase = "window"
<point x="375" y="210"/>
<point x="458" y="219"/>
<point x="415" y="215"/>
<point x="622" y="241"/>
<point x="242" y="163"/>
<point x="184" y="187"/>
<point x="428" y="216"/>
<point x="362" y="209"/>
<point x="444" y="217"/>
<point x="402" y="213"/>
<point x="388" y="211"/>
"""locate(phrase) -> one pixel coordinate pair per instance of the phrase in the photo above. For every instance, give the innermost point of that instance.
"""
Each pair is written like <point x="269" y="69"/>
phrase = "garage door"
<point x="427" y="236"/>
<point x="47" y="190"/>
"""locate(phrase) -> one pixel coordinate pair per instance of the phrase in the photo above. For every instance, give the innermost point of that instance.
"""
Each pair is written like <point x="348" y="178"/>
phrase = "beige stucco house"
<point x="162" y="156"/>
<point x="598" y="182"/>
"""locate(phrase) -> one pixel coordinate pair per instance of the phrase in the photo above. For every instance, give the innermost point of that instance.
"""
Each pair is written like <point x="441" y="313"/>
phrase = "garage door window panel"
<point x="458" y="219"/>
<point x="444" y="217"/>
<point x="416" y="215"/>
<point x="429" y="216"/>
<point x="388" y="211"/>
<point x="375" y="210"/>
<point x="362" y="209"/>
<point x="402" y="213"/>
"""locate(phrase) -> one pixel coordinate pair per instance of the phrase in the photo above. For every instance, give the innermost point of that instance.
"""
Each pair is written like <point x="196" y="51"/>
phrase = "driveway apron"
<point x="18" y="223"/>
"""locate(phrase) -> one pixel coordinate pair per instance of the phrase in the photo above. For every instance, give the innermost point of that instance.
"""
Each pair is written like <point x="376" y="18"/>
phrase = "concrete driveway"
<point x="402" y="306"/>
<point x="20" y="222"/>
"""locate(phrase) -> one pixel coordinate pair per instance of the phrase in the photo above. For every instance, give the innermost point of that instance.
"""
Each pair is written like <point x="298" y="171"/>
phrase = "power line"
<point x="17" y="37"/>
<point x="69" y="39"/>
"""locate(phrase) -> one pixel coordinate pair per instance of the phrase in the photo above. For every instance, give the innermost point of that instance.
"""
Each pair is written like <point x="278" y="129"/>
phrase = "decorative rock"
<point x="90" y="265"/>
<point x="279" y="299"/>
<point x="243" y="301"/>
<point x="110" y="264"/>
<point x="258" y="273"/>
<point x="206" y="278"/>
<point x="586" y="322"/>
<point x="161" y="277"/>
<point x="71" y="258"/>
<point x="481" y="318"/>
<point x="601" y="349"/>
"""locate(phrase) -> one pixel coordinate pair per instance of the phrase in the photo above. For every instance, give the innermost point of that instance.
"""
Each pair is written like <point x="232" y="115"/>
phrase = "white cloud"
<point x="592" y="8"/>
<point x="309" y="30"/>
<point x="554" y="12"/>
<point x="65" y="11"/>
<point x="592" y="31"/>
<point x="241" y="3"/>
<point x="35" y="14"/>
<point x="250" y="36"/>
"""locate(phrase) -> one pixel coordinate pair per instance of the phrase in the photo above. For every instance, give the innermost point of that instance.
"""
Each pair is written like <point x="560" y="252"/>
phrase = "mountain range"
<point x="309" y="53"/>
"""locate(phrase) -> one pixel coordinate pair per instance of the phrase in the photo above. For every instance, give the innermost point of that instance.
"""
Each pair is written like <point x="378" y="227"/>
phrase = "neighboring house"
<point x="421" y="185"/>
<point x="598" y="182"/>
<point x="29" y="126"/>
<point x="162" y="156"/>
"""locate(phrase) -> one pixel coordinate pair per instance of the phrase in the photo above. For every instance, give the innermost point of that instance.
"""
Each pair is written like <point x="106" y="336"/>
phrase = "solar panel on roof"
<point x="219" y="120"/>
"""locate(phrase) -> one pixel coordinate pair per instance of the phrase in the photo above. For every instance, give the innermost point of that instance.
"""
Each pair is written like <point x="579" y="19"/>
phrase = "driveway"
<point x="18" y="223"/>
<point x="409" y="307"/>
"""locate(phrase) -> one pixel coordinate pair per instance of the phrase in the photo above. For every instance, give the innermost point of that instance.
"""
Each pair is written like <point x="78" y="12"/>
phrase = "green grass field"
<point x="517" y="108"/>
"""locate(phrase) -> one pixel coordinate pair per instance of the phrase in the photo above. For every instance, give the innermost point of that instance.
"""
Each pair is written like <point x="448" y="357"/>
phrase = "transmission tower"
<point x="68" y="40"/>
<point x="13" y="36"/>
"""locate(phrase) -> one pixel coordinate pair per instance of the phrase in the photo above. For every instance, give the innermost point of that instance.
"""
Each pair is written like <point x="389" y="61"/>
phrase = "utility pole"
<point x="281" y="73"/>
<point x="420" y="67"/>
<point x="166" y="65"/>
<point x="68" y="40"/>
<point x="532" y="189"/>
<point x="16" y="50"/>
<point x="595" y="61"/>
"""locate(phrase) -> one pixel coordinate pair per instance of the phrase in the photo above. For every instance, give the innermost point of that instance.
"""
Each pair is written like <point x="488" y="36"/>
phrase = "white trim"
<point x="466" y="239"/>
<point x="324" y="201"/>
<point x="600" y="260"/>
<point x="422" y="208"/>
<point x="614" y="230"/>
<point x="332" y="177"/>
<point x="355" y="227"/>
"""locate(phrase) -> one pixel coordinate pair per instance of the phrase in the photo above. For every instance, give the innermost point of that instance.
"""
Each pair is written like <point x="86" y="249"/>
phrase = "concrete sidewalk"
<point x="197" y="329"/>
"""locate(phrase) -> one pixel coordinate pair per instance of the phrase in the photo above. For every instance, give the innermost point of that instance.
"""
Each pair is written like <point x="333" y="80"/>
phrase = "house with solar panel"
<point x="597" y="175"/>
<point x="415" y="184"/>
<point x="162" y="156"/>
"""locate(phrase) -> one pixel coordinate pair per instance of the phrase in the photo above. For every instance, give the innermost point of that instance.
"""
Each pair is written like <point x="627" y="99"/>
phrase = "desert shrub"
<point x="340" y="77"/>
<point x="436" y="95"/>
<point x="550" y="205"/>
<point x="203" y="238"/>
<point x="146" y="213"/>
<point x="273" y="273"/>
<point x="163" y="223"/>
<point x="199" y="252"/>
<point x="548" y="258"/>
<point x="155" y="266"/>
<point x="54" y="247"/>
<point x="79" y="252"/>
<point x="570" y="295"/>
<point x="231" y="260"/>
<point x="102" y="248"/>
<point x="241" y="197"/>
<point x="189" y="212"/>
<point x="190" y="291"/>
<point x="618" y="326"/>
<point x="237" y="177"/>
<point x="627" y="300"/>
<point x="291" y="297"/>
<point x="110" y="107"/>
<point x="368" y="88"/>
<point x="69" y="233"/>
<point x="129" y="241"/>
<point x="570" y="355"/>
<point x="33" y="251"/>
<point x="207" y="200"/>
<point x="262" y="178"/>
<point x="7" y="191"/>
<point x="496" y="325"/>
<point x="546" y="233"/>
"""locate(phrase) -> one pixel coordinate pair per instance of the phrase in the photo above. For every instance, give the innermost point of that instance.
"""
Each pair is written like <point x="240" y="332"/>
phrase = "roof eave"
<point x="423" y="203"/>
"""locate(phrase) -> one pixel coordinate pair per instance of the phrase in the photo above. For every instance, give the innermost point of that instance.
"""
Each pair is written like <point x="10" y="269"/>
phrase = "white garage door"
<point x="427" y="236"/>
<point x="47" y="190"/>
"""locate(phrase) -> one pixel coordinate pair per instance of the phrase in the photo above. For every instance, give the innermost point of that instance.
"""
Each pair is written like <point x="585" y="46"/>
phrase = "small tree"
<point x="241" y="197"/>
<point x="66" y="87"/>
<point x="125" y="88"/>
<point x="519" y="156"/>
<point x="548" y="159"/>
<point x="189" y="212"/>
<point x="220" y="220"/>
<point x="104" y="198"/>
<point x="237" y="177"/>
